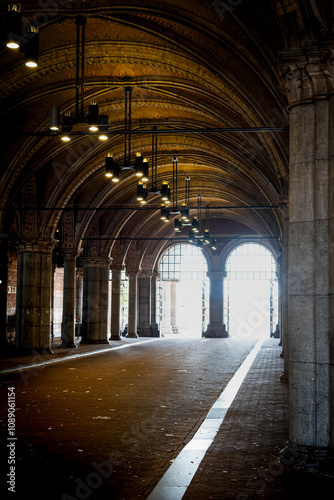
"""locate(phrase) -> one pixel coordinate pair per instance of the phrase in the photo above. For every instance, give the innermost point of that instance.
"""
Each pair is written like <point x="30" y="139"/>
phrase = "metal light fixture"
<point x="177" y="225"/>
<point x="213" y="244"/>
<point x="54" y="118"/>
<point x="103" y="127"/>
<point x="93" y="117"/>
<point x="116" y="173"/>
<point x="66" y="128"/>
<point x="13" y="26"/>
<point x="31" y="48"/>
<point x="109" y="166"/>
<point x="164" y="215"/>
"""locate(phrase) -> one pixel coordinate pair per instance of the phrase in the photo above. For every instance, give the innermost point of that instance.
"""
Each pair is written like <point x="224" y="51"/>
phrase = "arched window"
<point x="183" y="291"/>
<point x="251" y="261"/>
<point x="183" y="262"/>
<point x="251" y="292"/>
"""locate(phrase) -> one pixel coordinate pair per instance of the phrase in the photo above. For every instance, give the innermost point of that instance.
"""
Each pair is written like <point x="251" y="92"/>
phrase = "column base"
<point x="307" y="458"/>
<point x="155" y="332"/>
<point x="93" y="341"/>
<point x="65" y="345"/>
<point x="115" y="337"/>
<point x="132" y="335"/>
<point x="216" y="331"/>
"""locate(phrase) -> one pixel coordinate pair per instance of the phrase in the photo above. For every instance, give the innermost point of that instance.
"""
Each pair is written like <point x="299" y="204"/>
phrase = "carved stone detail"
<point x="306" y="74"/>
<point x="36" y="245"/>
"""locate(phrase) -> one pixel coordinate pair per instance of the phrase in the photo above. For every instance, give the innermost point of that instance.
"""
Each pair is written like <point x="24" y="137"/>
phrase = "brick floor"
<point x="124" y="415"/>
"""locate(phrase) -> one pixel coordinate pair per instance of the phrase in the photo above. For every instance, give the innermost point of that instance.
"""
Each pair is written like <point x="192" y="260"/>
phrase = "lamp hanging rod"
<point x="137" y="207"/>
<point x="40" y="133"/>
<point x="179" y="237"/>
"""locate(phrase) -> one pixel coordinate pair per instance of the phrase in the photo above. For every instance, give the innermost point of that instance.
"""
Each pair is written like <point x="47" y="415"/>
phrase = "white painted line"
<point x="175" y="481"/>
<point x="71" y="356"/>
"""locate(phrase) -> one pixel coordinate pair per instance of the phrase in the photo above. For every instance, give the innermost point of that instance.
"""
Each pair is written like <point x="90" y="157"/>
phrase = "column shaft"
<point x="132" y="311"/>
<point x="144" y="306"/>
<point x="33" y="305"/>
<point x="308" y="275"/>
<point x="216" y="327"/>
<point x="115" y="324"/>
<point x="68" y="323"/>
<point x="95" y="302"/>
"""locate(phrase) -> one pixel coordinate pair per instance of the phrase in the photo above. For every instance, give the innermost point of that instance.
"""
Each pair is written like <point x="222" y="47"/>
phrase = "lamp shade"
<point x="13" y="27"/>
<point x="116" y="172"/>
<point x="139" y="165"/>
<point x="109" y="166"/>
<point x="31" y="48"/>
<point x="103" y="127"/>
<point x="54" y="118"/>
<point x="93" y="117"/>
<point x="164" y="191"/>
<point x="191" y="236"/>
<point x="145" y="170"/>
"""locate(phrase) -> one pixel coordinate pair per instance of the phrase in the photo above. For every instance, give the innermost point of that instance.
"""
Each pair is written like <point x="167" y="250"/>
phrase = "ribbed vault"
<point x="191" y="65"/>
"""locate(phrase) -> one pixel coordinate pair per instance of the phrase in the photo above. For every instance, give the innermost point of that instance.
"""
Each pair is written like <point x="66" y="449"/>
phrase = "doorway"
<point x="183" y="291"/>
<point x="251" y="292"/>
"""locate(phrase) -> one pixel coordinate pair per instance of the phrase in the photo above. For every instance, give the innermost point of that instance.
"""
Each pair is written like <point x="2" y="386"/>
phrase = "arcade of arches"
<point x="242" y="94"/>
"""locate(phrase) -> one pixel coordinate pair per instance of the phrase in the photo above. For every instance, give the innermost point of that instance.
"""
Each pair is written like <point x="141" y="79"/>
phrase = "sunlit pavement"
<point x="111" y="424"/>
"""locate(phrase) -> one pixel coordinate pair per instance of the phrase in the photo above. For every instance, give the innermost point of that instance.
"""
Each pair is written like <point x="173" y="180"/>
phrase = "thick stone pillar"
<point x="69" y="299"/>
<point x="132" y="308"/>
<point x="154" y="324"/>
<point x="115" y="323"/>
<point x="309" y="293"/>
<point x="33" y="298"/>
<point x="78" y="300"/>
<point x="144" y="304"/>
<point x="284" y="290"/>
<point x="95" y="300"/>
<point x="3" y="287"/>
<point x="216" y="326"/>
<point x="331" y="264"/>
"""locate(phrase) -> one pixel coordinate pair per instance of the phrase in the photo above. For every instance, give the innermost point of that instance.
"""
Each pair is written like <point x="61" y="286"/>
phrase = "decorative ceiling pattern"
<point x="192" y="65"/>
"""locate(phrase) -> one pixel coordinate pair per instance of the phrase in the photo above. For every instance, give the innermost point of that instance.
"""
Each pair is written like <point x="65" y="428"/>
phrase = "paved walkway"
<point x="110" y="424"/>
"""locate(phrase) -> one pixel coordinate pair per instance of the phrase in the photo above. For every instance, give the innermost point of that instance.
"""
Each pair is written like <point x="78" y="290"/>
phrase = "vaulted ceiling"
<point x="192" y="65"/>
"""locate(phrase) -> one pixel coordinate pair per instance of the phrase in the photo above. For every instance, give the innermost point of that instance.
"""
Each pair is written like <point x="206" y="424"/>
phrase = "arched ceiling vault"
<point x="191" y="65"/>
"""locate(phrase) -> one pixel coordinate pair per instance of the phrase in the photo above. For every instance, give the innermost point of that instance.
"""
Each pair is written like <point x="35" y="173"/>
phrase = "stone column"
<point x="216" y="326"/>
<point x="78" y="300"/>
<point x="33" y="299"/>
<point x="331" y="263"/>
<point x="3" y="287"/>
<point x="173" y="303"/>
<point x="95" y="300"/>
<point x="154" y="324"/>
<point x="309" y="314"/>
<point x="69" y="296"/>
<point x="115" y="323"/>
<point x="132" y="311"/>
<point x="144" y="304"/>
<point x="284" y="290"/>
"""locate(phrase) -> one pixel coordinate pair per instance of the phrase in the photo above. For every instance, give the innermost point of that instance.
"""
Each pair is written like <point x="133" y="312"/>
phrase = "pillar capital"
<point x="71" y="253"/>
<point x="145" y="274"/>
<point x="99" y="262"/>
<point x="36" y="245"/>
<point x="306" y="74"/>
<point x="132" y="272"/>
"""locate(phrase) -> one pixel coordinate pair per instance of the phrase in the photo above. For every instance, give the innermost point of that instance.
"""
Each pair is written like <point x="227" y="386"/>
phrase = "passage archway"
<point x="183" y="291"/>
<point x="251" y="292"/>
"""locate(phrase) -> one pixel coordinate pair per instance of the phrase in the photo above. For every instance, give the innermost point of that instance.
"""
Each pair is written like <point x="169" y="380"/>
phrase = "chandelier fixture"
<point x="95" y="121"/>
<point x="22" y="37"/>
<point x="63" y="124"/>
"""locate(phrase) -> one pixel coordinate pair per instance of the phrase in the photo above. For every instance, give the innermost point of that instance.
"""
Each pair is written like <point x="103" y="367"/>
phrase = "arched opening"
<point x="251" y="291"/>
<point x="183" y="291"/>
